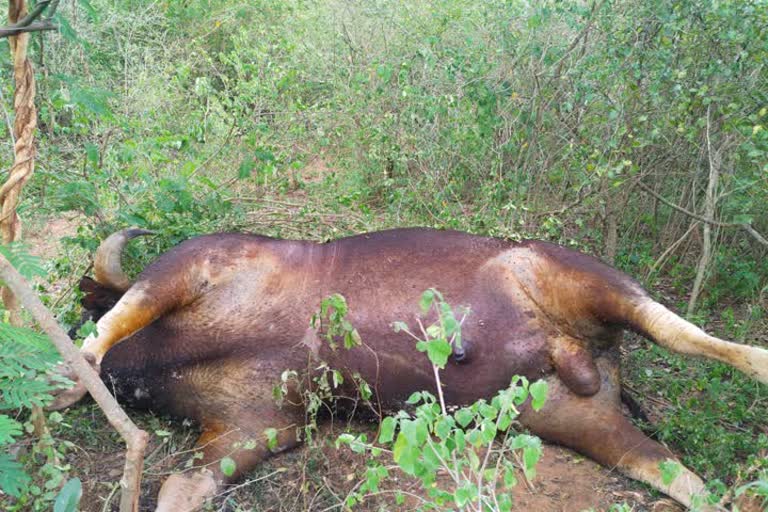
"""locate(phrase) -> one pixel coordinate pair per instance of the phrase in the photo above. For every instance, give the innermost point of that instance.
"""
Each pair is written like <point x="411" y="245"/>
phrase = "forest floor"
<point x="318" y="477"/>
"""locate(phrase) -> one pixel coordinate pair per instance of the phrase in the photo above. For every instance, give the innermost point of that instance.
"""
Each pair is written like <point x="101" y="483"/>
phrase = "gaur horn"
<point x="107" y="264"/>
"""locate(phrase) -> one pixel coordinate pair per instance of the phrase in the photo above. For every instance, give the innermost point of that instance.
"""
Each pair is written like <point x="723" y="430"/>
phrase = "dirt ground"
<point x="319" y="477"/>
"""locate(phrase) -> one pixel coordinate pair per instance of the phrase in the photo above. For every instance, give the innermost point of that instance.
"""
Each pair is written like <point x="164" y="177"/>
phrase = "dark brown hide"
<point x="207" y="330"/>
<point x="261" y="318"/>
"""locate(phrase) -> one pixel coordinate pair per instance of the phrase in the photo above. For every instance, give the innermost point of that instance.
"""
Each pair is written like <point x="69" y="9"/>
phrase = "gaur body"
<point x="207" y="330"/>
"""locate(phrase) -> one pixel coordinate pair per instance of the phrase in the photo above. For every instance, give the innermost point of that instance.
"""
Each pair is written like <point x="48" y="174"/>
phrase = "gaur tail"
<point x="653" y="320"/>
<point x="107" y="264"/>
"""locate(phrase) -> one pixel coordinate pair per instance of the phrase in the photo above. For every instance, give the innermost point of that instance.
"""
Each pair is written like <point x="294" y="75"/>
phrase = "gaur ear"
<point x="98" y="298"/>
<point x="88" y="285"/>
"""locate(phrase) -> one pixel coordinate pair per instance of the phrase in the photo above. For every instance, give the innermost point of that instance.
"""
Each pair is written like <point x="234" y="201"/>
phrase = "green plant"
<point x="25" y="358"/>
<point x="331" y="321"/>
<point x="319" y="388"/>
<point x="757" y="488"/>
<point x="462" y="444"/>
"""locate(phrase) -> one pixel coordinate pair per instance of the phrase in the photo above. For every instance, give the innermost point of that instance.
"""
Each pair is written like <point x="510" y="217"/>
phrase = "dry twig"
<point x="744" y="225"/>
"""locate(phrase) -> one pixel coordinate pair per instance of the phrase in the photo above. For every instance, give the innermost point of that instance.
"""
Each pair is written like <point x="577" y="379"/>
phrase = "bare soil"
<point x="43" y="236"/>
<point x="319" y="477"/>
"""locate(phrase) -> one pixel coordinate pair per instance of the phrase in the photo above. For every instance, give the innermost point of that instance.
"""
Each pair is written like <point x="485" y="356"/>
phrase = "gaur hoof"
<point x="186" y="492"/>
<point x="66" y="397"/>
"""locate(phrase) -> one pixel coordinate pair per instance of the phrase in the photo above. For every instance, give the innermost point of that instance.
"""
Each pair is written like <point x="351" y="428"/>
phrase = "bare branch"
<point x="52" y="10"/>
<point x="34" y="27"/>
<point x="749" y="229"/>
<point x="743" y="225"/>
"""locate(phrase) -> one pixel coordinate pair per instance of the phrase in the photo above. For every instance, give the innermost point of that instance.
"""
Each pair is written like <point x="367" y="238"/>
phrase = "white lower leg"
<point x="686" y="488"/>
<point x="186" y="492"/>
<point x="677" y="334"/>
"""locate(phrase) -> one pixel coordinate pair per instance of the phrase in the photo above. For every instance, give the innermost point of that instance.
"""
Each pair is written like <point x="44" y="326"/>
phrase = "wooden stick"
<point x="135" y="438"/>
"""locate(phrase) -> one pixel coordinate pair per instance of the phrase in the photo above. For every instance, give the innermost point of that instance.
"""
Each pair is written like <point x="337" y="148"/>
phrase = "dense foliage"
<point x="578" y="122"/>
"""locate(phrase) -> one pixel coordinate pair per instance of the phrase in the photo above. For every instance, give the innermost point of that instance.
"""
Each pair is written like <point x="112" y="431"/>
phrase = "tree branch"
<point x="28" y="24"/>
<point x="33" y="15"/>
<point x="34" y="27"/>
<point x="135" y="438"/>
<point x="743" y="225"/>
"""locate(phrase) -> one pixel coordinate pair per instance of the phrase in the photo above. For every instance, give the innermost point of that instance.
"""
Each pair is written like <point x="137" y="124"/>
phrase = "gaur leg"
<point x="142" y="304"/>
<point x="186" y="492"/>
<point x="596" y="427"/>
<point x="243" y="440"/>
<point x="675" y="333"/>
<point x="232" y="401"/>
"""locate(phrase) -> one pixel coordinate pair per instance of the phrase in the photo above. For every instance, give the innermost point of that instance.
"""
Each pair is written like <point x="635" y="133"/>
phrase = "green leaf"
<point x="444" y="426"/>
<point x="505" y="502"/>
<point x="68" y="499"/>
<point x="92" y="153"/>
<point x="400" y="326"/>
<point x="387" y="430"/>
<point x="415" y="431"/>
<point x="461" y="497"/>
<point x="670" y="470"/>
<point x="344" y="438"/>
<point x="438" y="352"/>
<point x="488" y="431"/>
<point x="90" y="99"/>
<point x="87" y="329"/>
<point x="29" y="266"/>
<point x="405" y="455"/>
<point x="9" y="429"/>
<point x="365" y="390"/>
<point x="338" y="378"/>
<point x="427" y="298"/>
<point x="531" y="447"/>
<point x="488" y="411"/>
<point x="459" y="440"/>
<point x="264" y="155"/>
<point x="65" y="29"/>
<point x="450" y="324"/>
<point x="13" y="479"/>
<point x="531" y="456"/>
<point x="414" y="398"/>
<point x="227" y="466"/>
<point x="538" y="392"/>
<point x="510" y="480"/>
<point x="352" y="339"/>
<point x="92" y="14"/>
<point x="504" y="422"/>
<point x="271" y="435"/>
<point x="245" y="169"/>
<point x="464" y="416"/>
